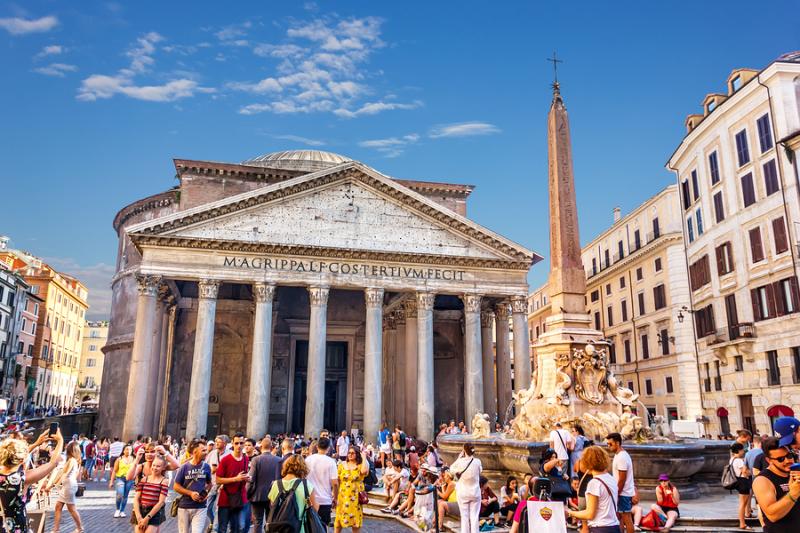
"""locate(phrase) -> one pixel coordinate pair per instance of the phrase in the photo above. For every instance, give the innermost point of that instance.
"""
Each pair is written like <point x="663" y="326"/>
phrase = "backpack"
<point x="729" y="479"/>
<point x="284" y="515"/>
<point x="652" y="521"/>
<point x="402" y="439"/>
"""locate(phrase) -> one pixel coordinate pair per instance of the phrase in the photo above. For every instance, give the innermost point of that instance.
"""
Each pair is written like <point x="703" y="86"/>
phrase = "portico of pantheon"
<point x="303" y="290"/>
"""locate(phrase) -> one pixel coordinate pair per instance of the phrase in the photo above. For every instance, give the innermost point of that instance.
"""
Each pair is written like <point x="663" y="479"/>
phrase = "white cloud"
<point x="267" y="85"/>
<point x="233" y="34"/>
<point x="142" y="55"/>
<point x="20" y="26"/>
<point x="279" y="50"/>
<point x="373" y="108"/>
<point x="463" y="129"/>
<point x="52" y="50"/>
<point x="56" y="69"/>
<point x="391" y="146"/>
<point x="301" y="140"/>
<point x="254" y="109"/>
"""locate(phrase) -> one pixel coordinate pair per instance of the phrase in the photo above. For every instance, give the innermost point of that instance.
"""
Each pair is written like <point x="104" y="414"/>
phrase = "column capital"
<point x="519" y="304"/>
<point x="263" y="292"/>
<point x="410" y="308"/>
<point x="425" y="300"/>
<point x="389" y="322"/>
<point x="399" y="317"/>
<point x="148" y="284"/>
<point x="501" y="311"/>
<point x="486" y="319"/>
<point x="318" y="295"/>
<point x="374" y="297"/>
<point x="164" y="293"/>
<point x="472" y="303"/>
<point x="209" y="288"/>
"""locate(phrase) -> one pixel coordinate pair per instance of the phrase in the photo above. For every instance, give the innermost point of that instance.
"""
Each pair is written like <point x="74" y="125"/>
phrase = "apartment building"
<point x="90" y="375"/>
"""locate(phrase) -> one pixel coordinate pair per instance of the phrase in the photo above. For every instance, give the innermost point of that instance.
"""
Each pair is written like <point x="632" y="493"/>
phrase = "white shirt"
<point x="622" y="461"/>
<point x="468" y="486"/>
<point x="561" y="449"/>
<point x="321" y="471"/>
<point x="212" y="459"/>
<point x="606" y="511"/>
<point x="342" y="445"/>
<point x="115" y="450"/>
<point x="738" y="465"/>
<point x="405" y="475"/>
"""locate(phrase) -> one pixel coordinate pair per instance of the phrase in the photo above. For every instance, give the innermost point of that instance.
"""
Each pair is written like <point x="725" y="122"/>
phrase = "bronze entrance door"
<point x="335" y="410"/>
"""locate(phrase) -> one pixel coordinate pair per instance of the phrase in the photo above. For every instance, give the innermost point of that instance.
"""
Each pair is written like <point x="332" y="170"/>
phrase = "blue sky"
<point x="98" y="97"/>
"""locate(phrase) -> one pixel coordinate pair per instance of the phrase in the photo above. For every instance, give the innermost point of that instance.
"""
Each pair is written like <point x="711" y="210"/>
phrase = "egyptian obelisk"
<point x="569" y="325"/>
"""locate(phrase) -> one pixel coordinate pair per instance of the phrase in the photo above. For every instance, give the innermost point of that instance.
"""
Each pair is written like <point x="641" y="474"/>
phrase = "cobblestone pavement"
<point x="96" y="509"/>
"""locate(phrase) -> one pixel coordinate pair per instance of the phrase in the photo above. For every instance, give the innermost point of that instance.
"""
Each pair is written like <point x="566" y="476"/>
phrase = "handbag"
<point x="173" y="508"/>
<point x="311" y="520"/>
<point x="363" y="497"/>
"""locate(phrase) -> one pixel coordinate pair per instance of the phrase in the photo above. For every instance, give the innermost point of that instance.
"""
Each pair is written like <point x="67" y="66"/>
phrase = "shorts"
<point x="385" y="448"/>
<point x="744" y="485"/>
<point x="157" y="518"/>
<point x="668" y="509"/>
<point x="625" y="504"/>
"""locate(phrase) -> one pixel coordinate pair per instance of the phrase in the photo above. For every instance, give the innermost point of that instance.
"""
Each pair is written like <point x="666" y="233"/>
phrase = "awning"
<point x="722" y="411"/>
<point x="779" y="410"/>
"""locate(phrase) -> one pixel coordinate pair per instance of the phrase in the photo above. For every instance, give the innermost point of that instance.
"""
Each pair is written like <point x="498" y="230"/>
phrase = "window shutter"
<point x="771" y="305"/>
<point x="779" y="230"/>
<point x="795" y="290"/>
<point x="712" y="325"/>
<point x="720" y="259"/>
<point x="756" y="249"/>
<point x="754" y="300"/>
<point x="777" y="290"/>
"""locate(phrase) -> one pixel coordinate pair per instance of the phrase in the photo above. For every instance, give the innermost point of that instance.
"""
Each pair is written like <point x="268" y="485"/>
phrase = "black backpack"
<point x="402" y="439"/>
<point x="284" y="515"/>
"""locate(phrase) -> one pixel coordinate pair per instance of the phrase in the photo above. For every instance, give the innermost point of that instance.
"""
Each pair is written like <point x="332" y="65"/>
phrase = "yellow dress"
<point x="348" y="510"/>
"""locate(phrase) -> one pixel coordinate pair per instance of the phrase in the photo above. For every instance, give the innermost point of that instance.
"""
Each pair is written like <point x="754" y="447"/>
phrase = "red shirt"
<point x="229" y="466"/>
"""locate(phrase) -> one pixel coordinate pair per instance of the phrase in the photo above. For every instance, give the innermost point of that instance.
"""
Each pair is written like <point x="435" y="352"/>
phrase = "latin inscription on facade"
<point x="341" y="267"/>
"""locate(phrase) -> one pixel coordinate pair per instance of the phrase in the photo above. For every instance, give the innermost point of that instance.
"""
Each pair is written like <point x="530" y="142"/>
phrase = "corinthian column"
<point x="260" y="361"/>
<point x="399" y="376"/>
<point x="200" y="384"/>
<point x="473" y="371"/>
<point x="503" y="360"/>
<point x="522" y="349"/>
<point x="315" y="382"/>
<point x="373" y="364"/>
<point x="425" y="381"/>
<point x="141" y="357"/>
<point x="151" y="386"/>
<point x="167" y="302"/>
<point x="487" y="363"/>
<point x="411" y="342"/>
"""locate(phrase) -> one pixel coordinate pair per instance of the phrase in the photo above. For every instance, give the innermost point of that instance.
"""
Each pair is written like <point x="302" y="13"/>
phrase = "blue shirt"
<point x="194" y="478"/>
<point x="751" y="456"/>
<point x="383" y="436"/>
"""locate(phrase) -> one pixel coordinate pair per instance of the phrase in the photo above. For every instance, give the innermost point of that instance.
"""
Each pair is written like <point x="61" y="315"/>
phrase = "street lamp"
<point x="680" y="313"/>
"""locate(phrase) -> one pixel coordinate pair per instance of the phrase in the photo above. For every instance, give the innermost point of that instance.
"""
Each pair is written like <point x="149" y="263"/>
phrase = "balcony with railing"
<point x="743" y="331"/>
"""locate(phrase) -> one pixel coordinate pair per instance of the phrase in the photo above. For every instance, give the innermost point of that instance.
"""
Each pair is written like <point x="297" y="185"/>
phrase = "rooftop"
<point x="304" y="160"/>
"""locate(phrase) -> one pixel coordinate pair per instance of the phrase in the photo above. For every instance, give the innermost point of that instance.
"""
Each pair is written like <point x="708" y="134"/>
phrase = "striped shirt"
<point x="150" y="493"/>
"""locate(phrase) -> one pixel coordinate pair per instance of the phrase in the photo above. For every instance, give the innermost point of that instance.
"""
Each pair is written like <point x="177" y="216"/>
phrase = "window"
<point x="610" y="311"/>
<point x="637" y="240"/>
<point x="695" y="185"/>
<point x="779" y="231"/>
<point x="796" y="363"/>
<point x="686" y="195"/>
<point x="656" y="229"/>
<point x="24" y="323"/>
<point x="724" y="258"/>
<point x="707" y="379"/>
<point x="595" y="295"/>
<point x="664" y="338"/>
<point x="736" y="83"/>
<point x="648" y="387"/>
<point x="608" y="288"/>
<point x="786" y="296"/>
<point x="597" y="320"/>
<point x="620" y="250"/>
<point x="719" y="208"/>
<point x="36" y="309"/>
<point x="641" y="303"/>
<point x="639" y="274"/>
<point x="699" y="273"/>
<point x="699" y="218"/>
<point x="612" y="352"/>
<point x="742" y="151"/>
<point x="659" y="297"/>
<point x="713" y="167"/>
<point x="90" y="362"/>
<point x="690" y="229"/>
<point x="622" y="282"/>
<point x="608" y="260"/>
<point x="670" y="387"/>
<point x="33" y="328"/>
<point x="756" y="247"/>
<point x="711" y="106"/>
<point x="773" y="370"/>
<point x="645" y="347"/>
<point x="594" y="266"/>
<point x="717" y="377"/>
<point x="624" y="306"/>
<point x="771" y="177"/>
<point x="738" y="363"/>
<point x="92" y="347"/>
<point x="627" y="345"/>
<point x="630" y="385"/>
<point x="44" y="352"/>
<point x="658" y="264"/>
<point x="704" y="321"/>
<point x="764" y="133"/>
<point x="763" y="301"/>
<point x="748" y="191"/>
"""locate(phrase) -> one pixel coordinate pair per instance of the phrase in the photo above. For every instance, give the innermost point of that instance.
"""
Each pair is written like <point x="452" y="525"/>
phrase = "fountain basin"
<point x="502" y="456"/>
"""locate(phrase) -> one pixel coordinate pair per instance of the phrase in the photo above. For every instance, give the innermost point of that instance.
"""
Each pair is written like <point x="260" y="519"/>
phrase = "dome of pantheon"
<point x="303" y="160"/>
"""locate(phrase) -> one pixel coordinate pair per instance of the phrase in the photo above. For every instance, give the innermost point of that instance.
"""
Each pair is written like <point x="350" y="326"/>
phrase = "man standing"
<point x="786" y="428"/>
<point x="193" y="482"/>
<point x="342" y="445"/>
<point x="114" y="451"/>
<point x="776" y="489"/>
<point x="264" y="469"/>
<point x="744" y="437"/>
<point x="623" y="473"/>
<point x="323" y="476"/>
<point x="232" y="496"/>
<point x="213" y="458"/>
<point x="384" y="446"/>
<point x="562" y="442"/>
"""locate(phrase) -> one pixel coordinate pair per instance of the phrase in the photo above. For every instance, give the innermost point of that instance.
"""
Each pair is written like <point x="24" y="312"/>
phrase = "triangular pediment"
<point x="348" y="207"/>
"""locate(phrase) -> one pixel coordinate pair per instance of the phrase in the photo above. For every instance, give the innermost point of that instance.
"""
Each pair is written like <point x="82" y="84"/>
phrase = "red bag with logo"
<point x="652" y="521"/>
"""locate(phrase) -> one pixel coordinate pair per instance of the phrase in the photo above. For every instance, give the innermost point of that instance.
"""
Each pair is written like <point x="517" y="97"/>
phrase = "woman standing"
<point x="119" y="479"/>
<point x="151" y="495"/>
<point x="69" y="488"/>
<point x="293" y="472"/>
<point x="601" y="493"/>
<point x="349" y="512"/>
<point x="102" y="460"/>
<point x="466" y="471"/>
<point x="743" y="482"/>
<point x="15" y="481"/>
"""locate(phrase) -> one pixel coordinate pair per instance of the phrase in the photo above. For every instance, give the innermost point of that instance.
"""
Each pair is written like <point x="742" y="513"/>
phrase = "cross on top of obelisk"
<point x="555" y="62"/>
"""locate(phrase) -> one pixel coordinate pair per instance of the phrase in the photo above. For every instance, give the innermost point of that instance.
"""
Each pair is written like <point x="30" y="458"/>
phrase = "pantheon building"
<point x="303" y="290"/>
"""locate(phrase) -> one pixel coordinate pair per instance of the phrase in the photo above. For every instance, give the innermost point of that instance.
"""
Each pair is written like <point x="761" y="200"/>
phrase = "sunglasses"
<point x="238" y="443"/>
<point x="782" y="458"/>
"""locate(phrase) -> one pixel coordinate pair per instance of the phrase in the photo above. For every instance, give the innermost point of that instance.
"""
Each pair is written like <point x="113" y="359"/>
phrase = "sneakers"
<point x="121" y="514"/>
<point x="116" y="513"/>
<point x="386" y="510"/>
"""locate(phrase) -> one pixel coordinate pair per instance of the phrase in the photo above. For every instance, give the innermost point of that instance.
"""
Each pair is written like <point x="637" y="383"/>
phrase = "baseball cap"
<point x="785" y="427"/>
<point x="663" y="477"/>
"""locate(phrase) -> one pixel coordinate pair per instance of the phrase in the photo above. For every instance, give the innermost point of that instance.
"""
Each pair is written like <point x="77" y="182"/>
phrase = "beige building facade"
<point x="737" y="178"/>
<point x="90" y="374"/>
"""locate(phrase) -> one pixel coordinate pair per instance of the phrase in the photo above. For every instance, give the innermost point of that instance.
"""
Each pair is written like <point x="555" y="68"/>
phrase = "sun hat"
<point x="785" y="427"/>
<point x="663" y="477"/>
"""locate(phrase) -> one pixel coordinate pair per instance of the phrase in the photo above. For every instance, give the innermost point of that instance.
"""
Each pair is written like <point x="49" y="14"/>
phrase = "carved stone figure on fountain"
<point x="623" y="395"/>
<point x="590" y="374"/>
<point x="480" y="426"/>
<point x="563" y="381"/>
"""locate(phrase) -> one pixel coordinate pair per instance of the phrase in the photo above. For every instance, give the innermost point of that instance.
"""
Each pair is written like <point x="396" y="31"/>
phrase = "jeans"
<point x="211" y="506"/>
<point x="248" y="517"/>
<point x="89" y="466"/>
<point x="230" y="517"/>
<point x="123" y="488"/>
<point x="469" y="509"/>
<point x="260" y="513"/>
<point x="191" y="520"/>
